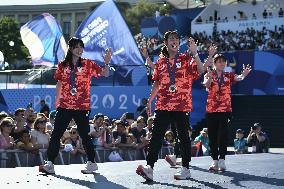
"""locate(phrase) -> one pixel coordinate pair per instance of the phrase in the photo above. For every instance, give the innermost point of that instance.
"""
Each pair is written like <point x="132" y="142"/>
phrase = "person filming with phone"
<point x="258" y="139"/>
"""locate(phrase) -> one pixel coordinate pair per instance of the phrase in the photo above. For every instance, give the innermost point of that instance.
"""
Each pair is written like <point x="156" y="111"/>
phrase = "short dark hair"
<point x="256" y="125"/>
<point x="98" y="115"/>
<point x="23" y="132"/>
<point x="218" y="56"/>
<point x="19" y="110"/>
<point x="120" y="123"/>
<point x="240" y="131"/>
<point x="129" y="115"/>
<point x="3" y="115"/>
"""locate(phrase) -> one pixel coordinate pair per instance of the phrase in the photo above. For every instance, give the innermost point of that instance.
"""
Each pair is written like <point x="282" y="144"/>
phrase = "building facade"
<point x="69" y="15"/>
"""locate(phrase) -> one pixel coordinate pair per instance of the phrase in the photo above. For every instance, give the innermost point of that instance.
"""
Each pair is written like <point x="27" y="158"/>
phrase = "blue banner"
<point x="267" y="76"/>
<point x="111" y="101"/>
<point x="105" y="28"/>
<point x="43" y="37"/>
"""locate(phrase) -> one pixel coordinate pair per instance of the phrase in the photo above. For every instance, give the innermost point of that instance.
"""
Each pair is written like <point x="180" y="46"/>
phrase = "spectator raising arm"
<point x="107" y="57"/>
<point x="145" y="54"/>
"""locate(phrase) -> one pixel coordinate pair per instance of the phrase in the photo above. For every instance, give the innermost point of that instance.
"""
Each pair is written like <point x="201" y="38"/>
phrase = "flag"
<point x="3" y="104"/>
<point x="43" y="37"/>
<point x="105" y="28"/>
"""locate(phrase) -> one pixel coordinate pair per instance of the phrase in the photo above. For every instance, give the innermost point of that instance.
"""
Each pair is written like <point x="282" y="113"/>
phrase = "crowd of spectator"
<point x="30" y="131"/>
<point x="250" y="39"/>
<point x="227" y="41"/>
<point x="241" y="16"/>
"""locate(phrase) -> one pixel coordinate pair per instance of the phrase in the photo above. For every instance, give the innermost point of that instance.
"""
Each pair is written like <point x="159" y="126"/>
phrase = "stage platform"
<point x="260" y="171"/>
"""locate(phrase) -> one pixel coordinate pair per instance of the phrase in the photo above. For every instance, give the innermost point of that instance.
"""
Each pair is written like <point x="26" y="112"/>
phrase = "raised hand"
<point x="209" y="72"/>
<point x="192" y="45"/>
<point x="246" y="70"/>
<point x="108" y="55"/>
<point x="144" y="52"/>
<point x="149" y="109"/>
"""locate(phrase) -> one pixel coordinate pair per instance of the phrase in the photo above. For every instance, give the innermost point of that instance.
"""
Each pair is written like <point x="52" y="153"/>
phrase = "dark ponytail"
<point x="164" y="52"/>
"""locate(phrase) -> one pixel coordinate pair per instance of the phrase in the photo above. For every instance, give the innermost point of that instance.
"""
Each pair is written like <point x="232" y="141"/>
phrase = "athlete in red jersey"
<point x="218" y="108"/>
<point x="173" y="76"/>
<point x="73" y="101"/>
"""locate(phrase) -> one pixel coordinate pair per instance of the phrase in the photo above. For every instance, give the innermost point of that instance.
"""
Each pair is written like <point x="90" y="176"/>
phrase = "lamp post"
<point x="11" y="43"/>
<point x="2" y="63"/>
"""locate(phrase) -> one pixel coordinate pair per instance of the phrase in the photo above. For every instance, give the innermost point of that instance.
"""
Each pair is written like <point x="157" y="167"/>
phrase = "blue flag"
<point x="43" y="37"/>
<point x="105" y="28"/>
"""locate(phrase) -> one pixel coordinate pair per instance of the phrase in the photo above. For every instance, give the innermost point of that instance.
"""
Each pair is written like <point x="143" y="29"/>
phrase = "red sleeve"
<point x="193" y="68"/>
<point x="58" y="72"/>
<point x="232" y="77"/>
<point x="95" y="69"/>
<point x="156" y="70"/>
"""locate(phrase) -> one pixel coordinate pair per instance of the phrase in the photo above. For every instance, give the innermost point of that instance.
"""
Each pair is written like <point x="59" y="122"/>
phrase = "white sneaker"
<point x="182" y="174"/>
<point x="47" y="168"/>
<point x="221" y="165"/>
<point x="90" y="168"/>
<point x="145" y="171"/>
<point x="179" y="161"/>
<point x="214" y="166"/>
<point x="171" y="159"/>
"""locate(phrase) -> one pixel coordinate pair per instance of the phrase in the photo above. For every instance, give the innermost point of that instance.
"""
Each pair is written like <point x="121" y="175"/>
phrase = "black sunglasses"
<point x="73" y="132"/>
<point x="9" y="125"/>
<point x="41" y="122"/>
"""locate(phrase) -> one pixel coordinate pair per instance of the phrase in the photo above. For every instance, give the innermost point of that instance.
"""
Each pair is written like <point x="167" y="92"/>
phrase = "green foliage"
<point x="142" y="9"/>
<point x="133" y="15"/>
<point x="11" y="44"/>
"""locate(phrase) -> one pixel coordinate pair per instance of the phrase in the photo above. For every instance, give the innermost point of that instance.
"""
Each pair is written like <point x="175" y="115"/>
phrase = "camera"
<point x="254" y="127"/>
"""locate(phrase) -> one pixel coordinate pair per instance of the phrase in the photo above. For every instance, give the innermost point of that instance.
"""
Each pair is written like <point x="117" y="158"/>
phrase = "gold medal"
<point x="172" y="88"/>
<point x="73" y="91"/>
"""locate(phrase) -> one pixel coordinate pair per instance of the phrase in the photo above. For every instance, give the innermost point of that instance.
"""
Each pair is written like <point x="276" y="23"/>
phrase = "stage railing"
<point x="21" y="158"/>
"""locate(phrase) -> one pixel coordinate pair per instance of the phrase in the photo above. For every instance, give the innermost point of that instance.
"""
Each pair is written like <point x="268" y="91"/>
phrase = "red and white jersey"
<point x="219" y="100"/>
<point x="81" y="100"/>
<point x="186" y="73"/>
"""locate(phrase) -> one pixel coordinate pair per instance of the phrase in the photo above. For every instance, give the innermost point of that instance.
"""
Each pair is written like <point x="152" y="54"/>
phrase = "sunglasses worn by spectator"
<point x="41" y="122"/>
<point x="73" y="132"/>
<point x="9" y="125"/>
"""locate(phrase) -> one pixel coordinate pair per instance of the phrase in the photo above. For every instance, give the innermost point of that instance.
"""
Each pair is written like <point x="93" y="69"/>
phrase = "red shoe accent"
<point x="141" y="173"/>
<point x="168" y="159"/>
<point x="212" y="170"/>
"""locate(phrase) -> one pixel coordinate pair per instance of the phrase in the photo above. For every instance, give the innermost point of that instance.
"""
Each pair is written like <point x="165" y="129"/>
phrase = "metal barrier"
<point x="20" y="158"/>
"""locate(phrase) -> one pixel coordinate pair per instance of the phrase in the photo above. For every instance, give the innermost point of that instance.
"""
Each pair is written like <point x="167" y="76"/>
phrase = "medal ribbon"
<point x="172" y="73"/>
<point x="73" y="76"/>
<point x="220" y="80"/>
